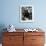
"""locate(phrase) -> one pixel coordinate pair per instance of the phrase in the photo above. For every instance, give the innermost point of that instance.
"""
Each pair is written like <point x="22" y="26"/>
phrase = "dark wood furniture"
<point x="34" y="39"/>
<point x="23" y="38"/>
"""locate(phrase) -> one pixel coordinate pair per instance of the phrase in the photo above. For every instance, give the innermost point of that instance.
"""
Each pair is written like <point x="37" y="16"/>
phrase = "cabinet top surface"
<point x="22" y="30"/>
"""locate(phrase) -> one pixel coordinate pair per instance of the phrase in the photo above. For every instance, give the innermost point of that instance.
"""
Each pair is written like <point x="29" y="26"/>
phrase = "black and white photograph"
<point x="26" y="13"/>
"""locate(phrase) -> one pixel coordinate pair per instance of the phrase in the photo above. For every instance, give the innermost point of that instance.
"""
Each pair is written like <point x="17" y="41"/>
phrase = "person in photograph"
<point x="27" y="15"/>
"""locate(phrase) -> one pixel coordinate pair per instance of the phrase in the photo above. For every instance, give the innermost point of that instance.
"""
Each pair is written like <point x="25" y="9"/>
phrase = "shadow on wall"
<point x="2" y="26"/>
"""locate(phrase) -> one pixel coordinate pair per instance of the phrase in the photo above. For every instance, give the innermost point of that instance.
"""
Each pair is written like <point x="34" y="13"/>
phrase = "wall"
<point x="9" y="13"/>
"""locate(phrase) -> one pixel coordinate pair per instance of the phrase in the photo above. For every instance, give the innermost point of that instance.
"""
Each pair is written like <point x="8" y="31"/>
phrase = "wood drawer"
<point x="13" y="44"/>
<point x="34" y="33"/>
<point x="37" y="39"/>
<point x="37" y="44"/>
<point x="12" y="39"/>
<point x="13" y="33"/>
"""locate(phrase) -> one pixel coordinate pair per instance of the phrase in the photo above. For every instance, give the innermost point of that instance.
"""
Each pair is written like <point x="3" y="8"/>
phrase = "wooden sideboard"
<point x="23" y="38"/>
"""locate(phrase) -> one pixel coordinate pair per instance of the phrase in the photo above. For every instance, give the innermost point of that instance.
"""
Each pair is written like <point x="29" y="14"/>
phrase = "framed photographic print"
<point x="26" y="13"/>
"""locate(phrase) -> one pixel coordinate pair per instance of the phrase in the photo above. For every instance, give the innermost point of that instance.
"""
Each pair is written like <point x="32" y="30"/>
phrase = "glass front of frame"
<point x="26" y="13"/>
